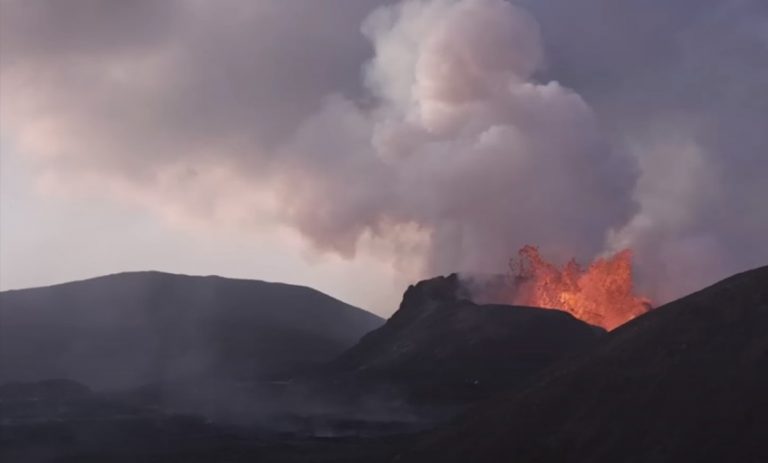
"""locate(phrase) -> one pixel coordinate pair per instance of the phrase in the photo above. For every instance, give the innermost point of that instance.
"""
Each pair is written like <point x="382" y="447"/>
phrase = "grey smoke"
<point x="450" y="130"/>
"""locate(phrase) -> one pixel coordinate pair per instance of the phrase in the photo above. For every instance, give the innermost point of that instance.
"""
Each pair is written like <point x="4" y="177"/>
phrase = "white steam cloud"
<point x="459" y="142"/>
<point x="447" y="134"/>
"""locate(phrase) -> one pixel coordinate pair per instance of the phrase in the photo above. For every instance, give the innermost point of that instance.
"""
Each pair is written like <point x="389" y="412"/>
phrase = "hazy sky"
<point x="357" y="145"/>
<point x="47" y="238"/>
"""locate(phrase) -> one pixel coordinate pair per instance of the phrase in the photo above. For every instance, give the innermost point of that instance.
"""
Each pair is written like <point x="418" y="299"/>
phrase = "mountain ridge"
<point x="152" y="326"/>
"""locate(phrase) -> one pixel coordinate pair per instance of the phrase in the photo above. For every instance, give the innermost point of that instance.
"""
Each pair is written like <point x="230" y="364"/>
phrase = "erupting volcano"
<point x="602" y="294"/>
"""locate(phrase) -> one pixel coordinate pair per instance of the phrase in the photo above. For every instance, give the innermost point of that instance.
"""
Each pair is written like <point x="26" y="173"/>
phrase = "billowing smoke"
<point x="444" y="133"/>
<point x="460" y="143"/>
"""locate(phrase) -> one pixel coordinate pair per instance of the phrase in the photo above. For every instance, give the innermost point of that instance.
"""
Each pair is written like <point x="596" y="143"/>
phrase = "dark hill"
<point x="686" y="382"/>
<point x="440" y="346"/>
<point x="129" y="329"/>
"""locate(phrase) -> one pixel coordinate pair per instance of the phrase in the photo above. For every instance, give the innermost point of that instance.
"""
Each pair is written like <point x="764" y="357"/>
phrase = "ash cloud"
<point x="447" y="133"/>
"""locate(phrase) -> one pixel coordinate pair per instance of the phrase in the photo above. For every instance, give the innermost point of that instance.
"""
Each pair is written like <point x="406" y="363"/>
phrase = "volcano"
<point x="441" y="347"/>
<point x="685" y="382"/>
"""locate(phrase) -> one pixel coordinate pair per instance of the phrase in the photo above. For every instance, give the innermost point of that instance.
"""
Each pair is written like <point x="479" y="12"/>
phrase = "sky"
<point x="358" y="145"/>
<point x="48" y="238"/>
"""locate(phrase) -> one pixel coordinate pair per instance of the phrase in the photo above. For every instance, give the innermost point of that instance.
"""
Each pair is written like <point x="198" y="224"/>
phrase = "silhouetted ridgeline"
<point x="130" y="329"/>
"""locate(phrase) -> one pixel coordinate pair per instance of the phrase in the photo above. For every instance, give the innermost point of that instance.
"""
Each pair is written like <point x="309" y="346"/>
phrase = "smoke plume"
<point x="444" y="134"/>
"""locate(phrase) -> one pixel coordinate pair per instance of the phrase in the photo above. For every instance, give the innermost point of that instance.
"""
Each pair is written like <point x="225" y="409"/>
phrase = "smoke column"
<point x="442" y="134"/>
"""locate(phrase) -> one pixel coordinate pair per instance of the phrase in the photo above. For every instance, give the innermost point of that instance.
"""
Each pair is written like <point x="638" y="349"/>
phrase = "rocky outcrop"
<point x="441" y="345"/>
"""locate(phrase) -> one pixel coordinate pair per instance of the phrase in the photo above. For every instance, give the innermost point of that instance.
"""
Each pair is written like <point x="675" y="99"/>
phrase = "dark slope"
<point x="440" y="346"/>
<point x="686" y="382"/>
<point x="125" y="330"/>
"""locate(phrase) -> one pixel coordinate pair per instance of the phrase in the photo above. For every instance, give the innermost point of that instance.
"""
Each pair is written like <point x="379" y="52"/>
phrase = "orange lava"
<point x="602" y="294"/>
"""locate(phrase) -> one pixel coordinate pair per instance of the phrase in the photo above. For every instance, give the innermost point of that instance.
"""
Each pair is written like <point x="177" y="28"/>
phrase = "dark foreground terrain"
<point x="63" y="421"/>
<point x="685" y="382"/>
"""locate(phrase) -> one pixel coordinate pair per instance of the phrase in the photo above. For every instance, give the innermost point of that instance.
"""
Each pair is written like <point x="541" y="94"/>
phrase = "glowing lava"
<point x="602" y="294"/>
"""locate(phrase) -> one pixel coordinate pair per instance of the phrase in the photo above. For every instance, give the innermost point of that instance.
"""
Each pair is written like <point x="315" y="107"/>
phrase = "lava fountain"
<point x="601" y="294"/>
